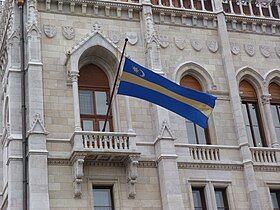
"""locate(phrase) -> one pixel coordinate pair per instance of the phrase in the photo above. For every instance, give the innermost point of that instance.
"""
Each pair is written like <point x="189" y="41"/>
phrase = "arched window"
<point x="251" y="114"/>
<point x="196" y="134"/>
<point x="94" y="93"/>
<point x="274" y="90"/>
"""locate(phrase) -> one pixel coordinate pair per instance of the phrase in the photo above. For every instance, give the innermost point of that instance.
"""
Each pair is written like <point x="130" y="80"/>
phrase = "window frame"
<point x="225" y="197"/>
<point x="110" y="187"/>
<point x="277" y="191"/>
<point x="201" y="190"/>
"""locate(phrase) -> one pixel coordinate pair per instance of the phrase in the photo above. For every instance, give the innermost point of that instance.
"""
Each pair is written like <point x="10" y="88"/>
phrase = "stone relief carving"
<point x="212" y="45"/>
<point x="196" y="44"/>
<point x="132" y="37"/>
<point x="78" y="176"/>
<point x="114" y="36"/>
<point x="165" y="131"/>
<point x="265" y="50"/>
<point x="68" y="32"/>
<point x="249" y="49"/>
<point x="266" y="99"/>
<point x="277" y="50"/>
<point x="180" y="43"/>
<point x="37" y="125"/>
<point x="163" y="41"/>
<point x="96" y="28"/>
<point x="235" y="49"/>
<point x="49" y="30"/>
<point x="131" y="175"/>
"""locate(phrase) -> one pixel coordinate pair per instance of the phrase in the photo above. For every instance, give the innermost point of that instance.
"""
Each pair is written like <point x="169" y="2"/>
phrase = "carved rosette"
<point x="212" y="45"/>
<point x="180" y="43"/>
<point x="132" y="37"/>
<point x="68" y="32"/>
<point x="196" y="44"/>
<point x="114" y="36"/>
<point x="277" y="50"/>
<point x="49" y="30"/>
<point x="249" y="49"/>
<point x="235" y="49"/>
<point x="163" y="41"/>
<point x="265" y="50"/>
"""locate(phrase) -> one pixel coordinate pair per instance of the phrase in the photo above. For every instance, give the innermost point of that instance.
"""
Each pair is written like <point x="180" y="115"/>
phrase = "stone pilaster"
<point x="170" y="187"/>
<point x="249" y="174"/>
<point x="266" y="103"/>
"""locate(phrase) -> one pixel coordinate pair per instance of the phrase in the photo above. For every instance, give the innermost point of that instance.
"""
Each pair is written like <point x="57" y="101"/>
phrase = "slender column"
<point x="159" y="3"/>
<point x="128" y="115"/>
<point x="202" y="5"/>
<point x="182" y="4"/>
<point x="251" y="9"/>
<point x="192" y="4"/>
<point x="270" y="11"/>
<point x="74" y="78"/>
<point x="230" y="6"/>
<point x="260" y="9"/>
<point x="170" y="3"/>
<point x="241" y="7"/>
<point x="268" y="114"/>
<point x="278" y="9"/>
<point x="229" y="69"/>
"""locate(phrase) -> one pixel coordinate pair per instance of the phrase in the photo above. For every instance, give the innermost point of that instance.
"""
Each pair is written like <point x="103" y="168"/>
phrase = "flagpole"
<point x="114" y="86"/>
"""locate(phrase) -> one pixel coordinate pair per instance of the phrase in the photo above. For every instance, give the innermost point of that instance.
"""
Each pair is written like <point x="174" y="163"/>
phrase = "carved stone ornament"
<point x="78" y="173"/>
<point x="131" y="175"/>
<point x="96" y="27"/>
<point x="235" y="49"/>
<point x="68" y="32"/>
<point x="277" y="50"/>
<point x="114" y="36"/>
<point x="180" y="43"/>
<point x="196" y="44"/>
<point x="249" y="49"/>
<point x="265" y="50"/>
<point x="212" y="45"/>
<point x="132" y="37"/>
<point x="49" y="30"/>
<point x="266" y="99"/>
<point x="163" y="41"/>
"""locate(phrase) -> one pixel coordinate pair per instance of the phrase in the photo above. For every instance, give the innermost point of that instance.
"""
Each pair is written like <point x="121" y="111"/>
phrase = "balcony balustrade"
<point x="261" y="155"/>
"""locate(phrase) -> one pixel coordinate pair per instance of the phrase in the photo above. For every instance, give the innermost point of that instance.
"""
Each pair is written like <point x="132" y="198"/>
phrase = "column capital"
<point x="266" y="99"/>
<point x="74" y="76"/>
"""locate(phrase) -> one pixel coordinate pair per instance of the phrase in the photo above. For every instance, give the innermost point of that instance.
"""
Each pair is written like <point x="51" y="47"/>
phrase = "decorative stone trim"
<point x="63" y="162"/>
<point x="267" y="168"/>
<point x="78" y="173"/>
<point x="131" y="175"/>
<point x="147" y="164"/>
<point x="210" y="166"/>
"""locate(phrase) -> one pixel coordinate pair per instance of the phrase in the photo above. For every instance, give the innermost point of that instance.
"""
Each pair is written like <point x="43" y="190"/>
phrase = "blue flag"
<point x="140" y="82"/>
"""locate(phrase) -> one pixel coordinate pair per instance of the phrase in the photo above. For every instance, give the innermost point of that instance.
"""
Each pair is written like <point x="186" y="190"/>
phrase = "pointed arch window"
<point x="251" y="114"/>
<point x="196" y="134"/>
<point x="274" y="90"/>
<point x="94" y="93"/>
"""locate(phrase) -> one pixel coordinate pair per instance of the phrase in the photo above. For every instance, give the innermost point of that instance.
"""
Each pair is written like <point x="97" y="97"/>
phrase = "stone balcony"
<point x="103" y="146"/>
<point x="265" y="156"/>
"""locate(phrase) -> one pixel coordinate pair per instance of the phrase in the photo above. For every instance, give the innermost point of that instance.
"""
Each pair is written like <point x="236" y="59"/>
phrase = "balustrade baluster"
<point x="199" y="154"/>
<point x="159" y="3"/>
<point x="110" y="142"/>
<point x="269" y="156"/>
<point x="241" y="7"/>
<point x="125" y="142"/>
<point x="270" y="11"/>
<point x="182" y="4"/>
<point x="105" y="140"/>
<point x="195" y="152"/>
<point x="274" y="157"/>
<point x="203" y="154"/>
<point x="90" y="141"/>
<point x="94" y="141"/>
<point x="260" y="9"/>
<point x="192" y="4"/>
<point x="171" y="3"/>
<point x="257" y="156"/>
<point x="217" y="154"/>
<point x="84" y="141"/>
<point x="230" y="6"/>
<point x="265" y="156"/>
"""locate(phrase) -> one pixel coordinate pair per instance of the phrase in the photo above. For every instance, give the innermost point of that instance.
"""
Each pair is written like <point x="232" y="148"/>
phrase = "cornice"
<point x="267" y="168"/>
<point x="252" y="19"/>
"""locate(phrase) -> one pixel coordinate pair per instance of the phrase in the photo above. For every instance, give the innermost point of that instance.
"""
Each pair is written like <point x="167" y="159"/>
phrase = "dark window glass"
<point x="198" y="198"/>
<point x="221" y="199"/>
<point x="275" y="198"/>
<point x="102" y="198"/>
<point x="94" y="94"/>
<point x="275" y="109"/>
<point x="196" y="134"/>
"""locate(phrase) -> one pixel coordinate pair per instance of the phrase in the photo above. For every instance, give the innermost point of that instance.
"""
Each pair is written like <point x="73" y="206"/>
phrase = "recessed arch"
<point x="197" y="71"/>
<point x="273" y="76"/>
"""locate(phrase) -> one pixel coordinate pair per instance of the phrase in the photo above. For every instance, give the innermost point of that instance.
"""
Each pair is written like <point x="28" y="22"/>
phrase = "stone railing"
<point x="265" y="155"/>
<point x="204" y="153"/>
<point x="202" y="5"/>
<point x="251" y="8"/>
<point x="104" y="141"/>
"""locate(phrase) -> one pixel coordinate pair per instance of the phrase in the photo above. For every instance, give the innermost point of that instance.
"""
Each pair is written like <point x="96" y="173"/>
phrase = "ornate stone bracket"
<point x="131" y="175"/>
<point x="78" y="174"/>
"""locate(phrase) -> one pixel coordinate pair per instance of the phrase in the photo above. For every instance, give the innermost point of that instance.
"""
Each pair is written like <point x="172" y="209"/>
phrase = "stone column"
<point x="170" y="186"/>
<point x="268" y="114"/>
<point x="249" y="174"/>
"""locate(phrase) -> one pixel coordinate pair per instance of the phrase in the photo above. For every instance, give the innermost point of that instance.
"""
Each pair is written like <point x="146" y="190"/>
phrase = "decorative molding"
<point x="114" y="36"/>
<point x="54" y="161"/>
<point x="132" y="37"/>
<point x="37" y="126"/>
<point x="249" y="49"/>
<point x="163" y="41"/>
<point x="267" y="168"/>
<point x="180" y="43"/>
<point x="68" y="32"/>
<point x="49" y="30"/>
<point x="277" y="50"/>
<point x="212" y="45"/>
<point x="165" y="131"/>
<point x="211" y="166"/>
<point x="235" y="49"/>
<point x="96" y="27"/>
<point x="131" y="175"/>
<point x="196" y="44"/>
<point x="265" y="50"/>
<point x="147" y="164"/>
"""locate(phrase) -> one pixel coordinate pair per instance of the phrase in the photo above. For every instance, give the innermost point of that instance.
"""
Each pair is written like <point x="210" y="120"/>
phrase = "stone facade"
<point x="157" y="167"/>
